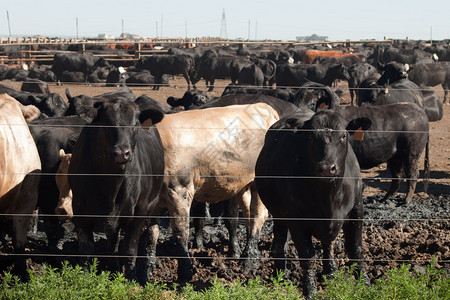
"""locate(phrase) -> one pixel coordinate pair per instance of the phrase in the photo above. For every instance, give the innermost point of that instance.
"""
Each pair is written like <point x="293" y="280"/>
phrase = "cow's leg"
<point x="395" y="166"/>
<point x="147" y="247"/>
<point x="112" y="244"/>
<point x="199" y="214"/>
<point x="278" y="249"/>
<point x="445" y="86"/>
<point x="352" y="96"/>
<point x="411" y="169"/>
<point x="329" y="264"/>
<point x="211" y="85"/>
<point x="353" y="240"/>
<point x="186" y="76"/>
<point x="258" y="215"/>
<point x="20" y="225"/>
<point x="129" y="248"/>
<point x="85" y="243"/>
<point x="231" y="215"/>
<point x="303" y="244"/>
<point x="179" y="208"/>
<point x="158" y="81"/>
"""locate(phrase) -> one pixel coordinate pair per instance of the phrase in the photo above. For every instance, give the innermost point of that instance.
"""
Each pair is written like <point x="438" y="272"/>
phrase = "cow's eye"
<point x="343" y="138"/>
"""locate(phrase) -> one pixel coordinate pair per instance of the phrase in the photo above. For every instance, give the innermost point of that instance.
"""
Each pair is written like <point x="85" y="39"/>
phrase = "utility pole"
<point x="185" y="29"/>
<point x="9" y="26"/>
<point x="161" y="26"/>
<point x="248" y="30"/>
<point x="223" y="28"/>
<point x="77" y="26"/>
<point x="122" y="29"/>
<point x="156" y="29"/>
<point x="431" y="35"/>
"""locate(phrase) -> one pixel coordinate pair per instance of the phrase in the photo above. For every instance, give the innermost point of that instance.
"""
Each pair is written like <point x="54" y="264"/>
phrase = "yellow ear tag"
<point x="322" y="105"/>
<point x="147" y="123"/>
<point x="358" y="135"/>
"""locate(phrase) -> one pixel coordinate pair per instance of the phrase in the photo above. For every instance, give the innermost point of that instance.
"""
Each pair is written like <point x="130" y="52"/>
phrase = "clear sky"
<point x="270" y="19"/>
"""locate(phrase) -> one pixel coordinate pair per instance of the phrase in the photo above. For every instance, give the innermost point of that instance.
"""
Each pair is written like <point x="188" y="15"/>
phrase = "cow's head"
<point x="393" y="72"/>
<point x="340" y="71"/>
<point x="119" y="121"/>
<point x="53" y="105"/>
<point x="326" y="136"/>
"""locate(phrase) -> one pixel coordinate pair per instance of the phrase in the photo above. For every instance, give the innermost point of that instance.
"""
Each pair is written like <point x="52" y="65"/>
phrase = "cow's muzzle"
<point x="122" y="155"/>
<point x="327" y="170"/>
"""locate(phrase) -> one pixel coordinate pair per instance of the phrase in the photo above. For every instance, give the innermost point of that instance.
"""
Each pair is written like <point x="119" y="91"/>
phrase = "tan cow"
<point x="64" y="206"/>
<point x="19" y="161"/>
<point x="210" y="155"/>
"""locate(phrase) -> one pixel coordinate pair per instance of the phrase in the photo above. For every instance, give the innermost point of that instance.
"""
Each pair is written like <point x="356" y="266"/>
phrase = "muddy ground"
<point x="393" y="233"/>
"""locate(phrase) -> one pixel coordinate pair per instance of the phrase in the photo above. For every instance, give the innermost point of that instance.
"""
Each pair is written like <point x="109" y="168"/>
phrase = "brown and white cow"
<point x="19" y="161"/>
<point x="210" y="156"/>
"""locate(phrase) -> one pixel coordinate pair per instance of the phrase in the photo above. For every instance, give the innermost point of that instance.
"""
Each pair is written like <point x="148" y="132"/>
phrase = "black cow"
<point x="210" y="68"/>
<point x="35" y="86"/>
<point x="190" y="100"/>
<point x="144" y="102"/>
<point x="43" y="73"/>
<point x="50" y="105"/>
<point x="236" y="66"/>
<point x="269" y="69"/>
<point x="358" y="73"/>
<point x="296" y="74"/>
<point x="138" y="77"/>
<point x="17" y="74"/>
<point x="405" y="56"/>
<point x="158" y="65"/>
<point x="348" y="61"/>
<point x="432" y="105"/>
<point x="397" y="88"/>
<point x="51" y="135"/>
<point x="130" y="153"/>
<point x="309" y="177"/>
<point x="116" y="77"/>
<point x="402" y="90"/>
<point x="74" y="62"/>
<point x="398" y="136"/>
<point x="431" y="75"/>
<point x="283" y="94"/>
<point x="316" y="96"/>
<point x="83" y="105"/>
<point x="252" y="75"/>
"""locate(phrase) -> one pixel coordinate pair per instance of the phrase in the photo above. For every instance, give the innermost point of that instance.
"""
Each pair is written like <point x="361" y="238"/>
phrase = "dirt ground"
<point x="394" y="233"/>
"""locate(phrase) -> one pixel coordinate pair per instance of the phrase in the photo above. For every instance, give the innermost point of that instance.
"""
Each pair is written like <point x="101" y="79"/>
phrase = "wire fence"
<point x="374" y="259"/>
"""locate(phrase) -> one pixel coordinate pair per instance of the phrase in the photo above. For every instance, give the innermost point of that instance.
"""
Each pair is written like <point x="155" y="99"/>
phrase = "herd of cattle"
<point x="122" y="161"/>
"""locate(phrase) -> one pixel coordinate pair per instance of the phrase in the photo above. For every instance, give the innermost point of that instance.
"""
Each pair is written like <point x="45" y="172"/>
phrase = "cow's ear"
<point x="68" y="95"/>
<point x="363" y="123"/>
<point x="294" y="124"/>
<point x="154" y="114"/>
<point x="34" y="100"/>
<point x="30" y="112"/>
<point x="173" y="102"/>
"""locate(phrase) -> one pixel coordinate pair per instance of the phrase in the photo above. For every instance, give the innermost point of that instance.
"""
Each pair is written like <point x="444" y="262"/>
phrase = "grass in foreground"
<point x="72" y="283"/>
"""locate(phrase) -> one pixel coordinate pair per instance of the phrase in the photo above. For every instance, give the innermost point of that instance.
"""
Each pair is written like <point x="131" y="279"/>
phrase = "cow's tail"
<point x="426" y="169"/>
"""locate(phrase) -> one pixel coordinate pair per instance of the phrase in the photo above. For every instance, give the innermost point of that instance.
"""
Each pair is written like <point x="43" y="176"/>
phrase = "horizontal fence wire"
<point x="269" y="219"/>
<point x="195" y="257"/>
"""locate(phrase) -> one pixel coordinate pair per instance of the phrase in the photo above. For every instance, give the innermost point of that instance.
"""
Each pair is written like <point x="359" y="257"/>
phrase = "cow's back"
<point x="217" y="146"/>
